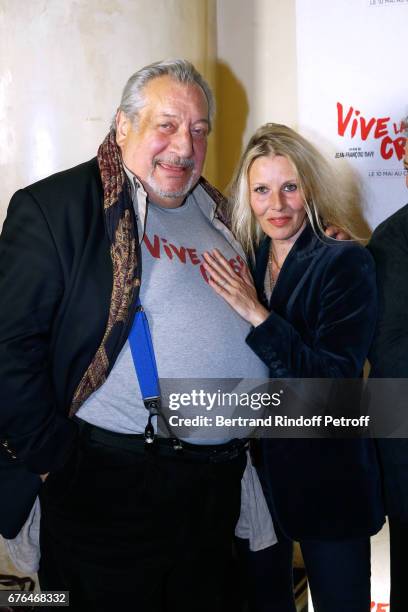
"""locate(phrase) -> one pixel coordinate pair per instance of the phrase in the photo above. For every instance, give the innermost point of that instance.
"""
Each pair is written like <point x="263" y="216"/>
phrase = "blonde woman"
<point x="313" y="311"/>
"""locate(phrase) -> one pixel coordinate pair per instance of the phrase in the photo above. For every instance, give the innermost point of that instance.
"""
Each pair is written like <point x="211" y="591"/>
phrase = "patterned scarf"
<point x="122" y="232"/>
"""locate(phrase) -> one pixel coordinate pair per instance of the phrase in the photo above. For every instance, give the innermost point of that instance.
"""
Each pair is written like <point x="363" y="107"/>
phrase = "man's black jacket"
<point x="55" y="287"/>
<point x="389" y="353"/>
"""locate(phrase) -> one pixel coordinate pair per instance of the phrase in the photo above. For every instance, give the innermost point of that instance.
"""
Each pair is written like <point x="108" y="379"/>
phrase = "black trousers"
<point x="123" y="530"/>
<point x="338" y="575"/>
<point x="398" y="555"/>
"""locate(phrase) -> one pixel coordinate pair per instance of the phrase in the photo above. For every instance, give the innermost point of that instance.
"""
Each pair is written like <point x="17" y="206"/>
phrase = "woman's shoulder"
<point x="348" y="262"/>
<point x="345" y="251"/>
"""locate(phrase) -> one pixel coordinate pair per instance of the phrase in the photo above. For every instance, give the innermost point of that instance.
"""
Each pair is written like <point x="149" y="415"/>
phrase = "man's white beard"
<point x="180" y="193"/>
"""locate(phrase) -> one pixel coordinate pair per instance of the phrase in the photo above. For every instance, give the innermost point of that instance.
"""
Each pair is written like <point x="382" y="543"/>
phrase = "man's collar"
<point x="135" y="182"/>
<point x="139" y="199"/>
<point x="209" y="200"/>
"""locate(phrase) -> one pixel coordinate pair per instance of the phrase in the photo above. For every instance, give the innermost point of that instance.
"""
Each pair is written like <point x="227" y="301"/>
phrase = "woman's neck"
<point x="281" y="248"/>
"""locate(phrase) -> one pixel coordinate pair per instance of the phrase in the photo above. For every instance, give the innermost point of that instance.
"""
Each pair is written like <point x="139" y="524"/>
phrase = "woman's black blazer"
<point x="321" y="323"/>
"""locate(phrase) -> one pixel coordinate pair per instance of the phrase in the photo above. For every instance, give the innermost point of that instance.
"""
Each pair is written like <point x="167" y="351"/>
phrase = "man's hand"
<point x="44" y="476"/>
<point x="334" y="232"/>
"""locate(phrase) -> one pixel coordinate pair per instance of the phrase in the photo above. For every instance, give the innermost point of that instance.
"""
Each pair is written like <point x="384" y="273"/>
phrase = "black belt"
<point x="202" y="453"/>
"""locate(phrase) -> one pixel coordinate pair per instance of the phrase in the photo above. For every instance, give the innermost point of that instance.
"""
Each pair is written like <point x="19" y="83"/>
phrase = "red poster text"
<point x="351" y="123"/>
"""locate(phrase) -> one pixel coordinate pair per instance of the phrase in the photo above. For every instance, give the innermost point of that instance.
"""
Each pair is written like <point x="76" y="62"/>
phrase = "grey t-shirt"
<point x="195" y="333"/>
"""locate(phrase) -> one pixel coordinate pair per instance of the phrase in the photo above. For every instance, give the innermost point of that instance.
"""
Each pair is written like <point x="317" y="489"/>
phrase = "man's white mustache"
<point x="181" y="162"/>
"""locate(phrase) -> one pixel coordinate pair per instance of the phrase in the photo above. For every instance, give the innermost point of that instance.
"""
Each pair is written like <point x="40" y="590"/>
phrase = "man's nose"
<point x="182" y="143"/>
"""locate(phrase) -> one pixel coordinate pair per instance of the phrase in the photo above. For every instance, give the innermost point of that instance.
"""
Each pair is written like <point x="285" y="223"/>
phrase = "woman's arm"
<point x="345" y="318"/>
<point x="237" y="289"/>
<point x="345" y="321"/>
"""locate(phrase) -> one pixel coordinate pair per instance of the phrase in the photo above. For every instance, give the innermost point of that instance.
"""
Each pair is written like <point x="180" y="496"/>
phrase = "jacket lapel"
<point x="295" y="270"/>
<point x="258" y="273"/>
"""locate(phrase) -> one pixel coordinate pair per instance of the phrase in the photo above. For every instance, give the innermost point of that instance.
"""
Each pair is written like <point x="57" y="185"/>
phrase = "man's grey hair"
<point x="180" y="70"/>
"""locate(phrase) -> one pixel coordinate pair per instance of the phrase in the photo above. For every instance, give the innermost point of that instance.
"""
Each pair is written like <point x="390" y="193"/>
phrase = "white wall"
<point x="256" y="55"/>
<point x="63" y="65"/>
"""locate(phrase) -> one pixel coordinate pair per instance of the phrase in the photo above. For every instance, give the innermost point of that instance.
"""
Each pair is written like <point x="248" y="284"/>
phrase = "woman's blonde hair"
<point x="326" y="202"/>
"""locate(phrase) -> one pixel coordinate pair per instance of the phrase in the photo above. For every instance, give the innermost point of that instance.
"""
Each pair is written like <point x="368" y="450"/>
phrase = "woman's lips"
<point x="279" y="221"/>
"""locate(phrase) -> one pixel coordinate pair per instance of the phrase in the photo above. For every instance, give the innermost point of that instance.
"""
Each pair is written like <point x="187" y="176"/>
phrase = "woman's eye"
<point x="261" y="189"/>
<point x="290" y="187"/>
<point x="166" y="126"/>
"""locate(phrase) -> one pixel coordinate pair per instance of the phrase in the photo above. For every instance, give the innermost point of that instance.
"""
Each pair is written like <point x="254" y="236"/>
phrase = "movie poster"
<point x="353" y="101"/>
<point x="352" y="91"/>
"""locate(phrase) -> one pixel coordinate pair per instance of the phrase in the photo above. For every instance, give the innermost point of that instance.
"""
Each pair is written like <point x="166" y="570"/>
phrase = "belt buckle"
<point x="229" y="454"/>
<point x="220" y="456"/>
<point x="177" y="445"/>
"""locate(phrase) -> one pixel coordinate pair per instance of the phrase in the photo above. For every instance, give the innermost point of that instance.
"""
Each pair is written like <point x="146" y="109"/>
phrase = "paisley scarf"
<point x="121" y="228"/>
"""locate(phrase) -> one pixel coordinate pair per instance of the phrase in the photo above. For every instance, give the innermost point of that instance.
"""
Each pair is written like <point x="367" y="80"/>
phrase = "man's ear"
<point x="123" y="125"/>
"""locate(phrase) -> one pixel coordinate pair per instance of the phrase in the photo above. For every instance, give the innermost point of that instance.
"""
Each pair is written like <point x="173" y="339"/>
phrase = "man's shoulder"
<point x="214" y="193"/>
<point x="222" y="208"/>
<point x="393" y="227"/>
<point x="76" y="193"/>
<point x="67" y="182"/>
